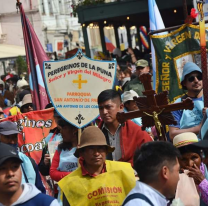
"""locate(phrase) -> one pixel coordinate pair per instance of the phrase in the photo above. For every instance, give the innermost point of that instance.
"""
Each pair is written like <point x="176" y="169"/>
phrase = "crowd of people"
<point x="114" y="163"/>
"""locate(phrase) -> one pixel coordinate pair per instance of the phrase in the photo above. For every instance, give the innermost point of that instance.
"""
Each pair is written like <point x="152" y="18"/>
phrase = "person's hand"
<point x="204" y="110"/>
<point x="196" y="174"/>
<point x="130" y="51"/>
<point x="47" y="159"/>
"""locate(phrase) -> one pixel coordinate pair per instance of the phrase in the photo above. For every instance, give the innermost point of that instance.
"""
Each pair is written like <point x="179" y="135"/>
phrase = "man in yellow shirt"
<point x="98" y="181"/>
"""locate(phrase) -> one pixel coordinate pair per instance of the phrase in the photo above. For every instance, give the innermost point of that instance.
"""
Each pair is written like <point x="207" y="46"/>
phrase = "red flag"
<point x="35" y="55"/>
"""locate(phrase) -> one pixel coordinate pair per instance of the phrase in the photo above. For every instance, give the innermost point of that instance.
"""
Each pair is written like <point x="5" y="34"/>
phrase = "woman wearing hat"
<point x="191" y="159"/>
<point x="64" y="161"/>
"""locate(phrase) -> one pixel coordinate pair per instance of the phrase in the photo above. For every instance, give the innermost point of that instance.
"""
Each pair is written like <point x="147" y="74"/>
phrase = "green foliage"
<point x="85" y="3"/>
<point x="21" y="65"/>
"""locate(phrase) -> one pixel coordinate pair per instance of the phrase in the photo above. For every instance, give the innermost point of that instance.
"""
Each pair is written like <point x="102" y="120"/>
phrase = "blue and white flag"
<point x="156" y="23"/>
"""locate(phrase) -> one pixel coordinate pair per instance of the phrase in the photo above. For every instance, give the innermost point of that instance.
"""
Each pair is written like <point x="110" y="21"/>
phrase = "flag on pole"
<point x="156" y="23"/>
<point x="35" y="56"/>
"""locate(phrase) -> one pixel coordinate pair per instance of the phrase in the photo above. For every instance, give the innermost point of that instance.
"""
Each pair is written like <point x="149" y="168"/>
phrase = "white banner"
<point x="74" y="84"/>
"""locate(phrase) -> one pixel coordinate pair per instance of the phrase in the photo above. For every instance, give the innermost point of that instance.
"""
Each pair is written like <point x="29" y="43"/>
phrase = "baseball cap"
<point x="128" y="95"/>
<point x="8" y="128"/>
<point x="142" y="63"/>
<point x="7" y="152"/>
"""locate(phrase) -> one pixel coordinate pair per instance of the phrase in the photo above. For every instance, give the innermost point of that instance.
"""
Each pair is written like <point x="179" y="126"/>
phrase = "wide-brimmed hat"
<point x="92" y="136"/>
<point x="26" y="100"/>
<point x="8" y="128"/>
<point x="188" y="68"/>
<point x="189" y="138"/>
<point x="142" y="63"/>
<point x="128" y="95"/>
<point x="8" y="152"/>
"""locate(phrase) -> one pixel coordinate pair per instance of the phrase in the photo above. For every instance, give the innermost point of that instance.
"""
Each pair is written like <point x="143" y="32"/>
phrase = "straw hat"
<point x="189" y="138"/>
<point x="92" y="136"/>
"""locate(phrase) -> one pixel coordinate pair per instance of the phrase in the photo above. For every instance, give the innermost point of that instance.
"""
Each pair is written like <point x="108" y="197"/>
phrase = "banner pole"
<point x="200" y="5"/>
<point x="79" y="135"/>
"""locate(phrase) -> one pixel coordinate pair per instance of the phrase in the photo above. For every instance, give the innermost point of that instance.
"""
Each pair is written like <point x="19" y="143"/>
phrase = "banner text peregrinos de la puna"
<point x="74" y="85"/>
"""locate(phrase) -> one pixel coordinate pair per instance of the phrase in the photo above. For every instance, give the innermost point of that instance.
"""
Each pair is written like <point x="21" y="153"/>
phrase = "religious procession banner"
<point x="172" y="52"/>
<point x="33" y="127"/>
<point x="74" y="84"/>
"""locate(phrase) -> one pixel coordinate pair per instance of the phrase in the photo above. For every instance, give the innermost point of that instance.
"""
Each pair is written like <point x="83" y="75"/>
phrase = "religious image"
<point x="181" y="62"/>
<point x="197" y="59"/>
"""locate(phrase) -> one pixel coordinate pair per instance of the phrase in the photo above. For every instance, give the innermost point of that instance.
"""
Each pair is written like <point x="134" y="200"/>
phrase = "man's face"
<point x="142" y="70"/>
<point x="94" y="155"/>
<point x="9" y="139"/>
<point x="173" y="180"/>
<point x="109" y="109"/>
<point x="189" y="159"/>
<point x="131" y="105"/>
<point x="10" y="176"/>
<point x="193" y="82"/>
<point x="27" y="108"/>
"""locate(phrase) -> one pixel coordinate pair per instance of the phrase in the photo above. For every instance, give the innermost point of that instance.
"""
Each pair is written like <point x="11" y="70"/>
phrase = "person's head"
<point x="190" y="149"/>
<point x="109" y="102"/>
<point x="2" y="86"/>
<point x="191" y="79"/>
<point x="142" y="66"/>
<point x="128" y="101"/>
<point x="27" y="105"/>
<point x="21" y="83"/>
<point x="121" y="75"/>
<point x="68" y="131"/>
<point x="8" y="133"/>
<point x="1" y="113"/>
<point x="157" y="165"/>
<point x="55" y="113"/>
<point x="10" y="170"/>
<point x="127" y="73"/>
<point x="93" y="147"/>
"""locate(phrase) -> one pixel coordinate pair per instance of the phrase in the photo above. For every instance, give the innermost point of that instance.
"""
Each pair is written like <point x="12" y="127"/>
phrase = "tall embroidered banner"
<point x="173" y="51"/>
<point x="33" y="127"/>
<point x="74" y="85"/>
<point x="35" y="56"/>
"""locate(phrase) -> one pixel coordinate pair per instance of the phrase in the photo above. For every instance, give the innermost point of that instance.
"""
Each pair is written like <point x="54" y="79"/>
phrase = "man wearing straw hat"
<point x="98" y="181"/>
<point x="27" y="105"/>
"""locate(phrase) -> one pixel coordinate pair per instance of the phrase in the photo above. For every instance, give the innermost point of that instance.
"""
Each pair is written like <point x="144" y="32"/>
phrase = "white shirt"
<point x="153" y="195"/>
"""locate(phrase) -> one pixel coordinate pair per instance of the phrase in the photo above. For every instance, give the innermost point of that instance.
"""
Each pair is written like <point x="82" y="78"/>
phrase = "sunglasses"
<point x="192" y="78"/>
<point x="28" y="105"/>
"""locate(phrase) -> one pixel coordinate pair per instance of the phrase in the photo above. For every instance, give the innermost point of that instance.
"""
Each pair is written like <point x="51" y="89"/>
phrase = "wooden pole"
<point x="200" y="5"/>
<point x="79" y="135"/>
<point x="185" y="10"/>
<point x="171" y="28"/>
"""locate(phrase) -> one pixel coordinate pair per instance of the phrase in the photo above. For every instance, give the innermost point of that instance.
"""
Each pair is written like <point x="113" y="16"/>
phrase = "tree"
<point x="21" y="65"/>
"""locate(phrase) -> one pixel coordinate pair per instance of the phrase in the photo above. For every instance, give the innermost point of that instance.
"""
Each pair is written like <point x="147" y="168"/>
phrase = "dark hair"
<point x="190" y="149"/>
<point x="64" y="145"/>
<point x="48" y="106"/>
<point x="108" y="94"/>
<point x="127" y="71"/>
<point x="151" y="157"/>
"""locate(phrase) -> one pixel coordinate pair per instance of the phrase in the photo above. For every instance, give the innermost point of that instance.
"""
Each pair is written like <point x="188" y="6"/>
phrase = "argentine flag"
<point x="156" y="23"/>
